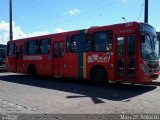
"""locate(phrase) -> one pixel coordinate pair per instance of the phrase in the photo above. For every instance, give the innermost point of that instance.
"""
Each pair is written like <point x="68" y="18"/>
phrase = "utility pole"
<point x="10" y="22"/>
<point x="146" y="12"/>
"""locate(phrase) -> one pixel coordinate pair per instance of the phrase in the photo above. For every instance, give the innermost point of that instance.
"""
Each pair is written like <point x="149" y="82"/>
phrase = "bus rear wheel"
<point x="32" y="70"/>
<point x="99" y="74"/>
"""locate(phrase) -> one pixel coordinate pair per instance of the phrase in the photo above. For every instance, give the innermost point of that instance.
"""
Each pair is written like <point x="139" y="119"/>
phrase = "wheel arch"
<point x="98" y="67"/>
<point x="31" y="68"/>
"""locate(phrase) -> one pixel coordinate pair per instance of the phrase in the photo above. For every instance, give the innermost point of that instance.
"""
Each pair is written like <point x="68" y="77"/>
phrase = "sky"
<point x="40" y="17"/>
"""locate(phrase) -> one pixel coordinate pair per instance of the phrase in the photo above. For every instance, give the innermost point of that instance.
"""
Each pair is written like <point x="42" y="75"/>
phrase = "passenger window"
<point x="56" y="50"/>
<point x="45" y="46"/>
<point x="131" y="45"/>
<point x="32" y="47"/>
<point x="68" y="42"/>
<point x="19" y="52"/>
<point x="120" y="46"/>
<point x="11" y="49"/>
<point x="102" y="41"/>
<point x="61" y="50"/>
<point x="80" y="43"/>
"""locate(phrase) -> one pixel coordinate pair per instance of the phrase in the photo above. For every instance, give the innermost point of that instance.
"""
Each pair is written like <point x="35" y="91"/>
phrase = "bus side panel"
<point x="71" y="65"/>
<point x="11" y="64"/>
<point x="100" y="60"/>
<point x="20" y="66"/>
<point x="44" y="66"/>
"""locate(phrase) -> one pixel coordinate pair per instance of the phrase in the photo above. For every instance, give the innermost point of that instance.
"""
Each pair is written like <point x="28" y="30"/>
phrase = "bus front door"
<point x="58" y="58"/>
<point x="125" y="58"/>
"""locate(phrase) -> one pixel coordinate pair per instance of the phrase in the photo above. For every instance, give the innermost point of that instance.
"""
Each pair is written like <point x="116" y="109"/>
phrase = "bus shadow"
<point x="95" y="91"/>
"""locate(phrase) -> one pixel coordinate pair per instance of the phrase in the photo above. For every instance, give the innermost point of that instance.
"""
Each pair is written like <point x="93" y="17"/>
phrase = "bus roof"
<point x="120" y="25"/>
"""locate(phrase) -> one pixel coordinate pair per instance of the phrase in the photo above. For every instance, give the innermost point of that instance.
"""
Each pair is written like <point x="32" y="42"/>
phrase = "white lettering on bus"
<point x="96" y="58"/>
<point x="32" y="57"/>
<point x="128" y="24"/>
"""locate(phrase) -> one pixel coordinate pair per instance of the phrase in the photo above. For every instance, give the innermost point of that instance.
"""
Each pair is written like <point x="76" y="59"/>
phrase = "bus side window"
<point x="73" y="47"/>
<point x="25" y="48"/>
<point x="80" y="43"/>
<point x="120" y="45"/>
<point x="88" y="42"/>
<point x="19" y="52"/>
<point x="131" y="45"/>
<point x="56" y="50"/>
<point x="11" y="49"/>
<point x="45" y="45"/>
<point x="61" y="50"/>
<point x="102" y="41"/>
<point x="68" y="42"/>
<point x="32" y="47"/>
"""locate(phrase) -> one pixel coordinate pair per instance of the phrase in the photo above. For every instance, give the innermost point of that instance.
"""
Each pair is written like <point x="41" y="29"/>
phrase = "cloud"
<point x="59" y="30"/>
<point x="158" y="29"/>
<point x="4" y="37"/>
<point x="74" y="11"/>
<point x="4" y="26"/>
<point x="17" y="32"/>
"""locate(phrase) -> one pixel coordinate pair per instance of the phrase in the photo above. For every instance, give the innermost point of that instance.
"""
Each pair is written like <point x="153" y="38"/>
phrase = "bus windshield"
<point x="149" y="42"/>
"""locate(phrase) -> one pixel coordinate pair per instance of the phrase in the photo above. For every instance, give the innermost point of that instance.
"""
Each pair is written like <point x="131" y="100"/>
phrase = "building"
<point x="2" y="50"/>
<point x="2" y="57"/>
<point x="2" y="46"/>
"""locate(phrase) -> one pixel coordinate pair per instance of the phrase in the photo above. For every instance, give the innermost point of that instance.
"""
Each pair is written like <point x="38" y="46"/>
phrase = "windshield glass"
<point x="149" y="42"/>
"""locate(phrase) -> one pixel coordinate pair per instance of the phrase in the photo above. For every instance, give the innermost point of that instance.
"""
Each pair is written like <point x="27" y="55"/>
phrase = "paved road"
<point x="21" y="94"/>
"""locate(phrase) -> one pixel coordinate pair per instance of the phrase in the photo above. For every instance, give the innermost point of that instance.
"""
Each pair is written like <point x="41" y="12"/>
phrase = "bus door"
<point x="125" y="57"/>
<point x="58" y="58"/>
<point x="19" y="58"/>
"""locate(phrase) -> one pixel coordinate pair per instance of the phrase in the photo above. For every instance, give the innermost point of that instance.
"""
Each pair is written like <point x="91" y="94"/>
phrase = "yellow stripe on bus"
<point x="84" y="66"/>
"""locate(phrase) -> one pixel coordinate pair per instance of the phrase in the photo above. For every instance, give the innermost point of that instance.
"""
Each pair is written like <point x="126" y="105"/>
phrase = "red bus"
<point x="127" y="52"/>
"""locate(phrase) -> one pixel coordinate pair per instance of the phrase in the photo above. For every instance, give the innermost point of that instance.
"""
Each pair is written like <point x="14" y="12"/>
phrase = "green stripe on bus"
<point x="80" y="60"/>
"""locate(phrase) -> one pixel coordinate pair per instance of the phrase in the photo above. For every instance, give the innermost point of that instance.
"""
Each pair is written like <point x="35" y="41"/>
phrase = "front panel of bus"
<point x="149" y="53"/>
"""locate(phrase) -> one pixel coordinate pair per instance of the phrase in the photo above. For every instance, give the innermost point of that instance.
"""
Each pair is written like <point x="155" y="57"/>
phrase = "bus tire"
<point x="99" y="74"/>
<point x="32" y="70"/>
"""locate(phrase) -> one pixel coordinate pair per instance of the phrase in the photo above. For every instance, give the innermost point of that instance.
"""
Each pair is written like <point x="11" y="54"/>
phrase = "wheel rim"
<point x="99" y="76"/>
